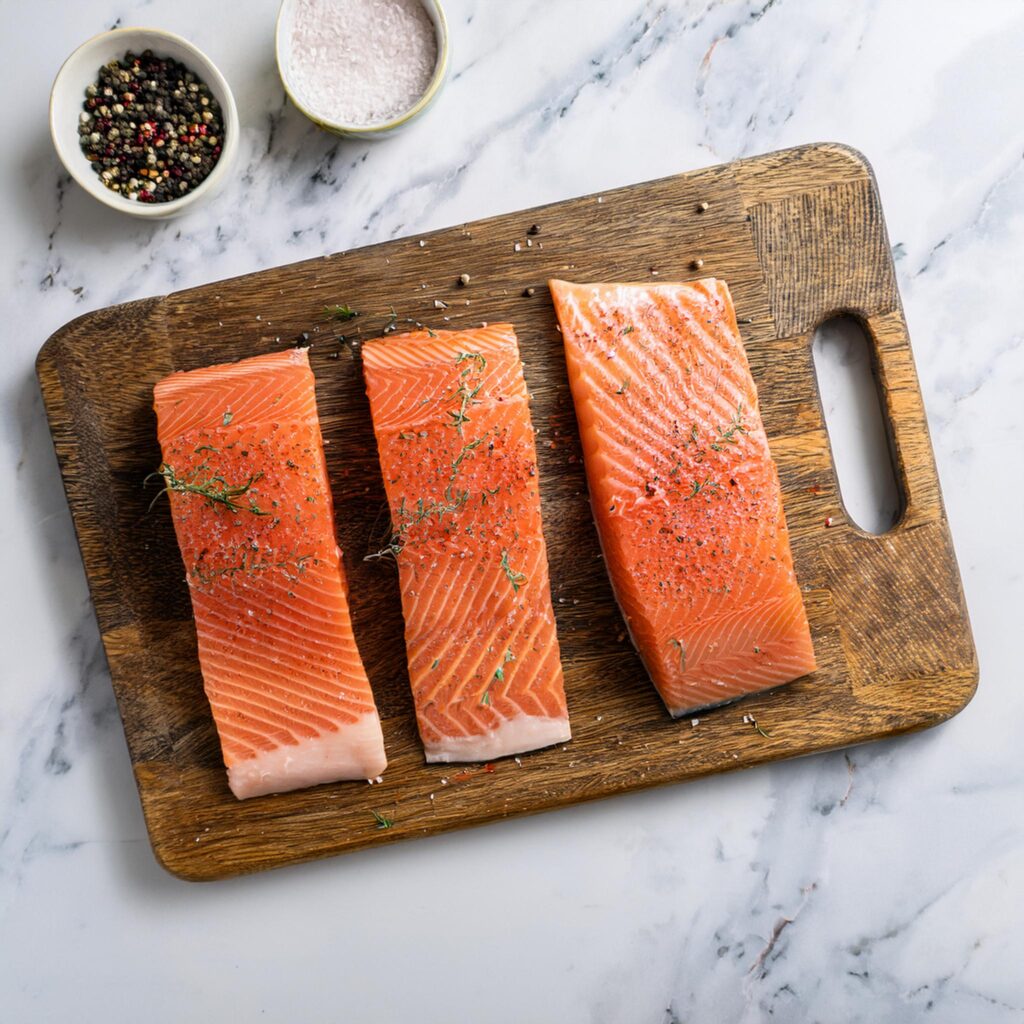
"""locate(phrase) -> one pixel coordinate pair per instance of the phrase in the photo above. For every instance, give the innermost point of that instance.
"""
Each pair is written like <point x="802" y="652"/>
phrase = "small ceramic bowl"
<point x="366" y="131"/>
<point x="81" y="69"/>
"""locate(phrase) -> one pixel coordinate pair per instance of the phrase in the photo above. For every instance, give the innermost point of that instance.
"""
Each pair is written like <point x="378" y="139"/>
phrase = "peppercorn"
<point x="141" y="122"/>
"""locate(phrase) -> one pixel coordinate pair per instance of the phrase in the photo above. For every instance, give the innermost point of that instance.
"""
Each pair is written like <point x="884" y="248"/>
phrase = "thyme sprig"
<point x="479" y="360"/>
<point x="700" y="485"/>
<point x="467" y="397"/>
<point x="213" y="487"/>
<point x="383" y="821"/>
<point x="466" y="394"/>
<point x="728" y="435"/>
<point x="408" y="519"/>
<point x="466" y="449"/>
<point x="517" y="579"/>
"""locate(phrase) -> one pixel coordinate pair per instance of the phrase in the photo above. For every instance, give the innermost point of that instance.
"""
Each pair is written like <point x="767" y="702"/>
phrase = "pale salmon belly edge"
<point x="244" y="468"/>
<point x="685" y="493"/>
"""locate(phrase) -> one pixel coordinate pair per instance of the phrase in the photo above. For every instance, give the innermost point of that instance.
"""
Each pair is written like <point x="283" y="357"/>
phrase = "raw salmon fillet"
<point x="247" y="481"/>
<point x="685" y="494"/>
<point x="451" y="415"/>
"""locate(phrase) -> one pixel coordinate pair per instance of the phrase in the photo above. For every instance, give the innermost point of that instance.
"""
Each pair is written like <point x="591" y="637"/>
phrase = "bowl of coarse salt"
<point x="362" y="68"/>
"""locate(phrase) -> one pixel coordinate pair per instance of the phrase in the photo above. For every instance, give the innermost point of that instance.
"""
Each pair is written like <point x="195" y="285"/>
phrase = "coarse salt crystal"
<point x="360" y="62"/>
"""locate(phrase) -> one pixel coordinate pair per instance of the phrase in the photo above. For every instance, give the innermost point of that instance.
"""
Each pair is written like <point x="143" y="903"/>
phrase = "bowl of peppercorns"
<point x="144" y="121"/>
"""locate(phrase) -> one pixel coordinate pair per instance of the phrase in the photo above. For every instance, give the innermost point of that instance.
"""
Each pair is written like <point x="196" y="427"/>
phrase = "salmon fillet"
<point x="451" y="415"/>
<point x="245" y="473"/>
<point x="685" y="494"/>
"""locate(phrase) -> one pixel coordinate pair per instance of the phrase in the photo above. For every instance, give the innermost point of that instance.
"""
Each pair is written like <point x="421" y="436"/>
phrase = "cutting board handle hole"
<point x="859" y="433"/>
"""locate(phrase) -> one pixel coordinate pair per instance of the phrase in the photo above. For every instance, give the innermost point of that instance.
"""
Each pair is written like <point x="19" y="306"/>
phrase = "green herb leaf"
<point x="228" y="417"/>
<point x="752" y="721"/>
<point x="485" y="697"/>
<point x="382" y="820"/>
<point x="517" y="579"/>
<point x="700" y="485"/>
<point x="476" y="357"/>
<point x="628" y="330"/>
<point x="214" y="488"/>
<point x="681" y="647"/>
<point x="466" y="449"/>
<point x="458" y="418"/>
<point x="340" y="312"/>
<point x="727" y="435"/>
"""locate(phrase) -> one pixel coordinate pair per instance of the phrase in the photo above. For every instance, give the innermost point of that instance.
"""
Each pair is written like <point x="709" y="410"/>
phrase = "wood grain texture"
<point x="798" y="235"/>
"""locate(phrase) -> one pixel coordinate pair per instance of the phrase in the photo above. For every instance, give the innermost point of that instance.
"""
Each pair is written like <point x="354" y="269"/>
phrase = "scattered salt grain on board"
<point x="359" y="62"/>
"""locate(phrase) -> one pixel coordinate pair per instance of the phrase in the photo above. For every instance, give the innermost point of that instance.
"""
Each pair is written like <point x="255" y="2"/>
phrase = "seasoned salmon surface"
<point x="685" y="494"/>
<point x="245" y="473"/>
<point x="452" y="420"/>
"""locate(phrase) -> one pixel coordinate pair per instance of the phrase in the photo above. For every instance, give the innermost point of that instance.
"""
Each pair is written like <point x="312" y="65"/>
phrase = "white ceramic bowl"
<point x="363" y="131"/>
<point x="68" y="94"/>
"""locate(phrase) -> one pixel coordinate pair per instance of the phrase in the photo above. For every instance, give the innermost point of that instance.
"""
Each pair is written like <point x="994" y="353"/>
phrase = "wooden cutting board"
<point x="798" y="235"/>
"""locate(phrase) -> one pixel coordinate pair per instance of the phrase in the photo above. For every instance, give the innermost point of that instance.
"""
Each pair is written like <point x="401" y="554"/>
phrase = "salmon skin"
<point x="685" y="493"/>
<point x="451" y="416"/>
<point x="245" y="473"/>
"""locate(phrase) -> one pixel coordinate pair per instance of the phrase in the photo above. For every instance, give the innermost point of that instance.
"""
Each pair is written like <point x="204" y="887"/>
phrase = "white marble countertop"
<point x="881" y="884"/>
